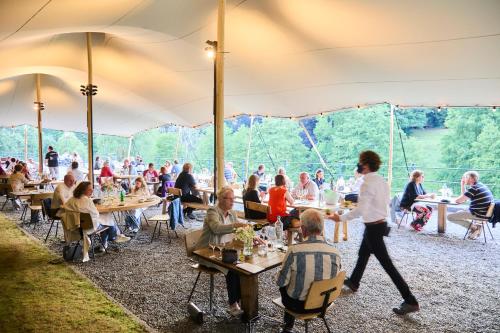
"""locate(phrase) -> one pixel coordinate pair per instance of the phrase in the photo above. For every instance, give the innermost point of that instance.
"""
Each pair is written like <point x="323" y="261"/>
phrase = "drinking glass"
<point x="212" y="243"/>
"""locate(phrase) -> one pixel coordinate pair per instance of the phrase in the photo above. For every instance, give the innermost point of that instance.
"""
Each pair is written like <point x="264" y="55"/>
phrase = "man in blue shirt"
<point x="480" y="199"/>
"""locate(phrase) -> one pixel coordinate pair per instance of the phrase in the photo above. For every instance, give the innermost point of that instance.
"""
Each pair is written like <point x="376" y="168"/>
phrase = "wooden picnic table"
<point x="130" y="203"/>
<point x="442" y="209"/>
<point x="249" y="280"/>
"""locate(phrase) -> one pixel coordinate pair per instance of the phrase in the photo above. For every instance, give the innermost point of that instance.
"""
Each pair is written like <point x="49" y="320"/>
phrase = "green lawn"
<point x="36" y="296"/>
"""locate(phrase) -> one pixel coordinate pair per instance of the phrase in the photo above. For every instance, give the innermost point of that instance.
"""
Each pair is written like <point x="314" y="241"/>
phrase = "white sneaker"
<point x="235" y="310"/>
<point x="122" y="238"/>
<point x="135" y="230"/>
<point x="105" y="245"/>
<point x="85" y="258"/>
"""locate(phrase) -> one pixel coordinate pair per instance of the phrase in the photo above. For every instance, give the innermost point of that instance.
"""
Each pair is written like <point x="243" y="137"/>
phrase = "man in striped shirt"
<point x="311" y="260"/>
<point x="480" y="199"/>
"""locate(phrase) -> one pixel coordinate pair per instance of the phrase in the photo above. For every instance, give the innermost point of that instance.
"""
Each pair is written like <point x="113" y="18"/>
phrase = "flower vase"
<point x="248" y="248"/>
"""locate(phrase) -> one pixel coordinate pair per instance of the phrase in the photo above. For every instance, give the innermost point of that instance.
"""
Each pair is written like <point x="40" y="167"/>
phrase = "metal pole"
<point x="219" y="100"/>
<point x="39" y="125"/>
<point x="90" y="121"/>
<point x="323" y="163"/>
<point x="248" y="148"/>
<point x="25" y="143"/>
<point x="215" y="127"/>
<point x="391" y="142"/>
<point x="129" y="146"/>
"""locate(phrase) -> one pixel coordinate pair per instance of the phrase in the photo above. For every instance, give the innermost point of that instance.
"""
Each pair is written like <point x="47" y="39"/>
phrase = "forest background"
<point x="443" y="142"/>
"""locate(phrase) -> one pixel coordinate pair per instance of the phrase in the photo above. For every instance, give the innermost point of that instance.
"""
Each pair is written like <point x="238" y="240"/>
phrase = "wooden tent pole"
<point x="25" y="143"/>
<point x="178" y="142"/>
<point x="39" y="125"/>
<point x="90" y="120"/>
<point x="248" y="148"/>
<point x="219" y="96"/>
<point x="391" y="144"/>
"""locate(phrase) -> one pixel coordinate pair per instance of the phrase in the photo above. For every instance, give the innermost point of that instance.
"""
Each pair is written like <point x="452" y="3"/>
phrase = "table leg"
<point x="442" y="207"/>
<point x="336" y="232"/>
<point x="344" y="229"/>
<point x="249" y="296"/>
<point x="205" y="198"/>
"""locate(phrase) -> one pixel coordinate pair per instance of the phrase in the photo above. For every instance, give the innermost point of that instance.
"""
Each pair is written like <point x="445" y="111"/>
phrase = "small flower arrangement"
<point x="245" y="234"/>
<point x="108" y="186"/>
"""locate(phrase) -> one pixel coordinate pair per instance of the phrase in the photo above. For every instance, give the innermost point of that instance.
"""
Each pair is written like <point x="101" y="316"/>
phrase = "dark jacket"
<point x="411" y="192"/>
<point x="253" y="196"/>
<point x="495" y="218"/>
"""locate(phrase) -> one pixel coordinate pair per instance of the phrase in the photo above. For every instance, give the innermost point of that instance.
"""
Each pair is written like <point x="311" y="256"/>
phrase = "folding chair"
<point x="482" y="222"/>
<point x="160" y="219"/>
<point x="406" y="213"/>
<point x="320" y="296"/>
<point x="52" y="218"/>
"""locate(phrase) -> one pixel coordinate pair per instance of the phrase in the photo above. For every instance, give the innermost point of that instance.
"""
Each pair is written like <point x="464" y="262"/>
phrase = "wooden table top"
<point x="32" y="193"/>
<point x="130" y="203"/>
<point x="272" y="260"/>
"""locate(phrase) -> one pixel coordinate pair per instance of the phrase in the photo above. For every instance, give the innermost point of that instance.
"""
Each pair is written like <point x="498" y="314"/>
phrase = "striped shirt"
<point x="480" y="199"/>
<point x="312" y="260"/>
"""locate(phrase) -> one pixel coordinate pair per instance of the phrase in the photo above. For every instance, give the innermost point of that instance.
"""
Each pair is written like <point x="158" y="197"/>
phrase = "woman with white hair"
<point x="221" y="222"/>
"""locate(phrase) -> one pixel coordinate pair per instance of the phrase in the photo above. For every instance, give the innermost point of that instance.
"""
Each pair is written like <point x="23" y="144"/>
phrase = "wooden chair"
<point x="174" y="191"/>
<point x="36" y="205"/>
<point x="482" y="222"/>
<point x="320" y="296"/>
<point x="190" y="240"/>
<point x="291" y="232"/>
<point x="258" y="207"/>
<point x="160" y="219"/>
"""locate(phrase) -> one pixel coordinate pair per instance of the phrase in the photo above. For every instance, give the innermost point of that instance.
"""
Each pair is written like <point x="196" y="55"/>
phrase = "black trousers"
<point x="190" y="198"/>
<point x="294" y="305"/>
<point x="373" y="242"/>
<point x="233" y="287"/>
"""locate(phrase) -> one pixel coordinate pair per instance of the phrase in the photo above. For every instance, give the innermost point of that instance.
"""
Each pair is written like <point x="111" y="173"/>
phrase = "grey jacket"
<point x="214" y="225"/>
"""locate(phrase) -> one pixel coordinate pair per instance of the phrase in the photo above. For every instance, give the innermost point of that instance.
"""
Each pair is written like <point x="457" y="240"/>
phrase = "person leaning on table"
<point x="221" y="222"/>
<point x="480" y="198"/>
<point x="304" y="263"/>
<point x="372" y="207"/>
<point x="63" y="193"/>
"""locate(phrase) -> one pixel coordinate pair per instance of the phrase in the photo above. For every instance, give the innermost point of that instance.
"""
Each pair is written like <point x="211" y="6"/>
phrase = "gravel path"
<point x="456" y="282"/>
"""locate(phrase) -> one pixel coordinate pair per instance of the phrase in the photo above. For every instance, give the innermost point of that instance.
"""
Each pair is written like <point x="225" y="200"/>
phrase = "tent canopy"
<point x="285" y="58"/>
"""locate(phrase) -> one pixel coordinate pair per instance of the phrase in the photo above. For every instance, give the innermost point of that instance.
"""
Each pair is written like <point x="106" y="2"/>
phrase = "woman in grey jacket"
<point x="221" y="222"/>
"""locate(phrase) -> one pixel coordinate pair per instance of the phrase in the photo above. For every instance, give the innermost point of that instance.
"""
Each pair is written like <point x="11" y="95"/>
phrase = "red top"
<point x="277" y="203"/>
<point x="105" y="172"/>
<point x="151" y="173"/>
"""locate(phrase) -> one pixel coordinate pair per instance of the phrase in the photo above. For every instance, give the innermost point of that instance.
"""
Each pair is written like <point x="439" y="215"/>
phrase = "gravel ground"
<point x="455" y="280"/>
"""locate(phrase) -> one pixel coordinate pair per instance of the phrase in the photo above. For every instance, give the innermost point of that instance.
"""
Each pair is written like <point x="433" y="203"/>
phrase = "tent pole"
<point x="39" y="125"/>
<point x="219" y="94"/>
<point x="25" y="143"/>
<point x="391" y="143"/>
<point x="178" y="142"/>
<point x="248" y="149"/>
<point x="323" y="163"/>
<point x="90" y="125"/>
<point x="129" y="146"/>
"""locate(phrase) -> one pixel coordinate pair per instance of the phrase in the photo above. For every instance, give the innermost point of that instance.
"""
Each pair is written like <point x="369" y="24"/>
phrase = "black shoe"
<point x="191" y="216"/>
<point x="406" y="308"/>
<point x="348" y="283"/>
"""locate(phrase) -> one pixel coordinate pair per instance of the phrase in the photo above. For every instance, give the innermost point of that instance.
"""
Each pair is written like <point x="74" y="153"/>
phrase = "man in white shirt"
<point x="372" y="207"/>
<point x="306" y="184"/>
<point x="63" y="192"/>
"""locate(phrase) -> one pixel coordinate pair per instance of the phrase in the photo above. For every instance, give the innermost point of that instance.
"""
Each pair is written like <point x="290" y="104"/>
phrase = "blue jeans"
<point x="109" y="234"/>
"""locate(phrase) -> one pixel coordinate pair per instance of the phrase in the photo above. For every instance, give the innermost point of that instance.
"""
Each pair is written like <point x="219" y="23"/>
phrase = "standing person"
<point x="413" y="191"/>
<point x="97" y="163"/>
<point x="176" y="169"/>
<point x="229" y="173"/>
<point x="480" y="198"/>
<point x="52" y="160"/>
<point x="372" y="207"/>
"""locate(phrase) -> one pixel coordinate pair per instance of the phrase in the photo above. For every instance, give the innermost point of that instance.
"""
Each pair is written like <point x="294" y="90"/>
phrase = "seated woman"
<point x="82" y="202"/>
<point x="319" y="178"/>
<point x="278" y="197"/>
<point x="133" y="219"/>
<point x="355" y="187"/>
<point x="106" y="173"/>
<point x="17" y="180"/>
<point x="220" y="223"/>
<point x="75" y="171"/>
<point x="163" y="178"/>
<point x="251" y="194"/>
<point x="414" y="190"/>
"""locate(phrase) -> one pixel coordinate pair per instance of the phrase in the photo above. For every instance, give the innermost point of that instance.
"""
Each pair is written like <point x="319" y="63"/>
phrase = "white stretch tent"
<point x="286" y="58"/>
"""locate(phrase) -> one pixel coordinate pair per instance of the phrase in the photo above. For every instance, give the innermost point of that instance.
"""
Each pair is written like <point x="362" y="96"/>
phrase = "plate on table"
<point x="150" y="199"/>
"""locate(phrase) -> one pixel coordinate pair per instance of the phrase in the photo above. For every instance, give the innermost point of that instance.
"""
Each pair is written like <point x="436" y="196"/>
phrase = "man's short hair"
<point x="260" y="167"/>
<point x="371" y="158"/>
<point x="312" y="220"/>
<point x="186" y="167"/>
<point x="51" y="148"/>
<point x="74" y="165"/>
<point x="472" y="174"/>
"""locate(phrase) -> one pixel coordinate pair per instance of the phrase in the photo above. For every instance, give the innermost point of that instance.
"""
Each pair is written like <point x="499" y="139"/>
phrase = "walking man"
<point x="372" y="207"/>
<point x="52" y="159"/>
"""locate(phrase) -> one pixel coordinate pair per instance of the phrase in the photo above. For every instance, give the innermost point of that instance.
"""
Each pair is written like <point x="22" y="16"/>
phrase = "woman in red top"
<point x="105" y="172"/>
<point x="278" y="197"/>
